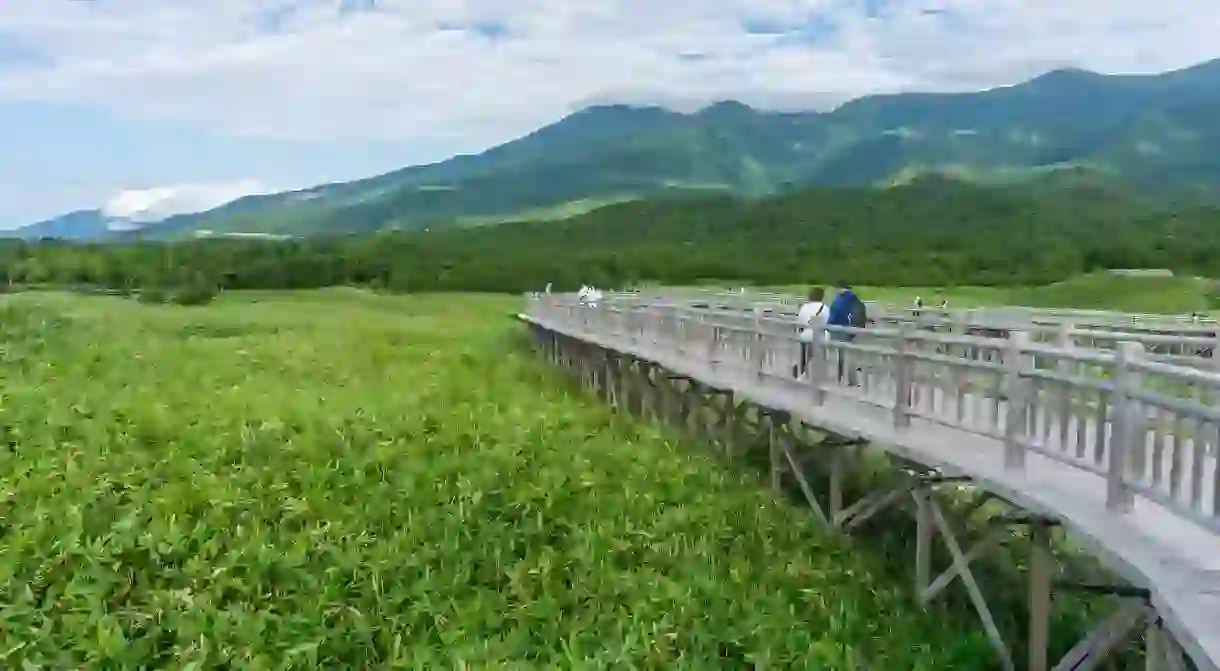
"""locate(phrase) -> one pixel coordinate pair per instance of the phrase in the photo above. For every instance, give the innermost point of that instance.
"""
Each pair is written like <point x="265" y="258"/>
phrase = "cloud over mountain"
<point x="482" y="70"/>
<point x="141" y="206"/>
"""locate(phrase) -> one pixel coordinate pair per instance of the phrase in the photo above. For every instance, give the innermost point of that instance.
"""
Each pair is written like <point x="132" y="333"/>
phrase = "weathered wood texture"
<point x="1117" y="447"/>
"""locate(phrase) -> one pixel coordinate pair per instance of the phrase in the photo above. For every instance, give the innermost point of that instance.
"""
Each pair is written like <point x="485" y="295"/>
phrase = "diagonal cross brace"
<point x="928" y="506"/>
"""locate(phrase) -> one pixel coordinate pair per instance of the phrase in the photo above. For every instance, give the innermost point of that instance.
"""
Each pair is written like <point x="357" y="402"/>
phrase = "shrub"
<point x="196" y="293"/>
<point x="152" y="295"/>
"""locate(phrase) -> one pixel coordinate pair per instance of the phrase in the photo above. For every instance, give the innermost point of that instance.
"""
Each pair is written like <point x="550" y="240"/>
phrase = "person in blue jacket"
<point x="847" y="310"/>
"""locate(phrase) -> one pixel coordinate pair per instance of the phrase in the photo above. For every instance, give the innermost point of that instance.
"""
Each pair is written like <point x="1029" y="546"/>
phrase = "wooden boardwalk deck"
<point x="1118" y="448"/>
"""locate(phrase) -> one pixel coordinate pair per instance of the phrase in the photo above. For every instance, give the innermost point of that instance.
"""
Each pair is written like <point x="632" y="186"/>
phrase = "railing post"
<point x="759" y="354"/>
<point x="1017" y="363"/>
<point x="1215" y="351"/>
<point x="713" y="331"/>
<point x="1066" y="341"/>
<point x="904" y="375"/>
<point x="1126" y="447"/>
<point x="817" y="366"/>
<point x="1067" y="335"/>
<point x="680" y="328"/>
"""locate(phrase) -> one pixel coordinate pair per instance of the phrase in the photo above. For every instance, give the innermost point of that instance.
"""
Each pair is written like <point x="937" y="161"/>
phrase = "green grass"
<point x="1170" y="295"/>
<point x="558" y="212"/>
<point x="337" y="480"/>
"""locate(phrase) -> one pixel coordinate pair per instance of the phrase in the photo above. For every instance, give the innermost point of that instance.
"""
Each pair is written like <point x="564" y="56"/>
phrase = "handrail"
<point x="1183" y="348"/>
<point x="1046" y="317"/>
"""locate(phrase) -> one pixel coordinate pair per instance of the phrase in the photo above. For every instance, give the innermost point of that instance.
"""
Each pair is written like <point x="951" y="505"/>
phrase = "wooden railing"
<point x="1118" y="410"/>
<point x="1176" y="340"/>
<point x="1014" y="315"/>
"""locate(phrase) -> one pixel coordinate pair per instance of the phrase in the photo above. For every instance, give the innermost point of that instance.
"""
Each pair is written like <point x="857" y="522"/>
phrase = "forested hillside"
<point x="928" y="232"/>
<point x="1149" y="133"/>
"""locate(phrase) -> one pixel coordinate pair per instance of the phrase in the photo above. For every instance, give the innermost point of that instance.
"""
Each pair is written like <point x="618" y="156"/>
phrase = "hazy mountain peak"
<point x="727" y="108"/>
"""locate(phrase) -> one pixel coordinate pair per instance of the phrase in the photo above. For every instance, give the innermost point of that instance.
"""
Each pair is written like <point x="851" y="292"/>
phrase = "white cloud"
<point x="142" y="206"/>
<point x="421" y="68"/>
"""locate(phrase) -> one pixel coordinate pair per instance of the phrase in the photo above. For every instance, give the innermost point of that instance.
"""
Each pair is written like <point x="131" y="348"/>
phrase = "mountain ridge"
<point x="1144" y="133"/>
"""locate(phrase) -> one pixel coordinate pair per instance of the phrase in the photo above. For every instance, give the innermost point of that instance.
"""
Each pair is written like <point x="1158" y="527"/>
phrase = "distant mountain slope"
<point x="82" y="225"/>
<point x="1159" y="134"/>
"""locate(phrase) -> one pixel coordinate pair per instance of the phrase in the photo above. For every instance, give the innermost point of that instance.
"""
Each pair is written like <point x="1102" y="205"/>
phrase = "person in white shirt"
<point x="811" y="319"/>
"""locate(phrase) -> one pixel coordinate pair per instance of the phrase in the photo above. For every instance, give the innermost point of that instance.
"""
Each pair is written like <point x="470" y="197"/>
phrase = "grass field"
<point x="344" y="481"/>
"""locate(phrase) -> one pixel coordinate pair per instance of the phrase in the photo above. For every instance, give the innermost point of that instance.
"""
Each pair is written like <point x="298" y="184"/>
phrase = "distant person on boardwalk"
<point x="847" y="310"/>
<point x="811" y="319"/>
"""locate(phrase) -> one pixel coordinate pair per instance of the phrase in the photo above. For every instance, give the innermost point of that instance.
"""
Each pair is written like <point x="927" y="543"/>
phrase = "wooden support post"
<point x="1041" y="565"/>
<point x="616" y="381"/>
<point x="598" y="370"/>
<point x="838" y="464"/>
<point x="1161" y="652"/>
<point x="728" y="424"/>
<point x="667" y="387"/>
<point x="647" y="390"/>
<point x="624" y="385"/>
<point x="773" y="438"/>
<point x="691" y="407"/>
<point x="923" y="540"/>
<point x="640" y="377"/>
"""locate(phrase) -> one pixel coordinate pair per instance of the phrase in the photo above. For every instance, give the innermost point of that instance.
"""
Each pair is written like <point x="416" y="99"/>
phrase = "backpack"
<point x="858" y="316"/>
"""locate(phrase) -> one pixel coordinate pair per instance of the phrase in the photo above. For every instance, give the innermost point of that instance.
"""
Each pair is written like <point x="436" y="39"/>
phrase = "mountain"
<point x="81" y="225"/>
<point x="1115" y="134"/>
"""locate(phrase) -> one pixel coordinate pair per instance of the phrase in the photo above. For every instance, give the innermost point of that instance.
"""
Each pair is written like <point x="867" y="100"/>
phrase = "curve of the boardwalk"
<point x="1118" y="446"/>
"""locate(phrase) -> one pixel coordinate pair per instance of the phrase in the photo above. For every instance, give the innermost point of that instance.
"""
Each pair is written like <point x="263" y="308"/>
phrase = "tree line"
<point x="937" y="233"/>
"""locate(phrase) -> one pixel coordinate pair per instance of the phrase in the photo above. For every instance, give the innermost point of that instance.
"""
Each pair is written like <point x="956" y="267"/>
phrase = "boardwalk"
<point x="1117" y="445"/>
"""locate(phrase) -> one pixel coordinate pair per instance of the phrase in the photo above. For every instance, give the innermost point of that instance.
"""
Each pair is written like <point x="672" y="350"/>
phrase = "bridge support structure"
<point x="824" y="471"/>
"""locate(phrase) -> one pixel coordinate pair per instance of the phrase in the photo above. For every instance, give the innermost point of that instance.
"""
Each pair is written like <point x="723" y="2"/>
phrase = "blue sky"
<point x="181" y="104"/>
<point x="60" y="157"/>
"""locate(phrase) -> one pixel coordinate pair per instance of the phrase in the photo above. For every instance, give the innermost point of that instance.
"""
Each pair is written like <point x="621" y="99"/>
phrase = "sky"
<point x="152" y="107"/>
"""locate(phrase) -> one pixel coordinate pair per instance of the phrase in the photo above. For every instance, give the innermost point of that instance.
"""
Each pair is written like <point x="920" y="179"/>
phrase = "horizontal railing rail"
<point x="1199" y="348"/>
